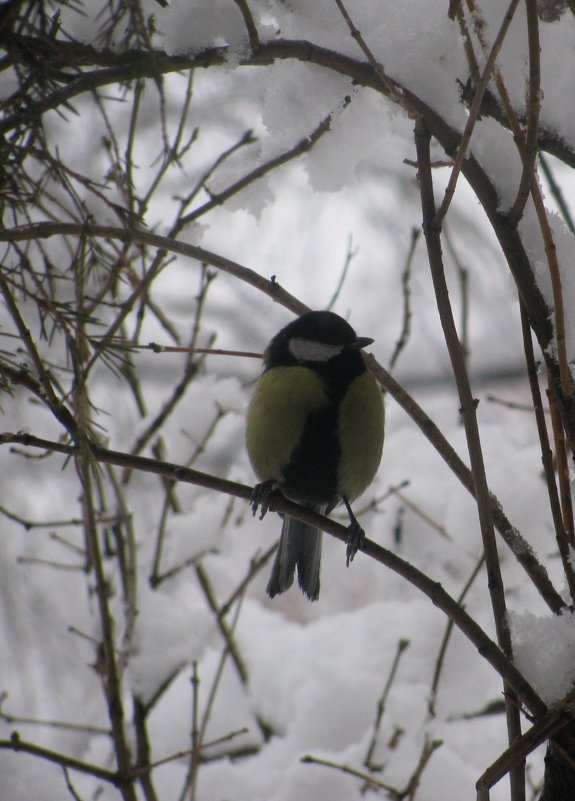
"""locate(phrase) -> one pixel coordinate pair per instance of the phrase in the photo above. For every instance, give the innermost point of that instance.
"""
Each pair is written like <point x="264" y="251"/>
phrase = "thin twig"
<point x="22" y="746"/>
<point x="191" y="368"/>
<point x="474" y="110"/>
<point x="428" y="749"/>
<point x="544" y="729"/>
<point x="463" y="274"/>
<point x="546" y="454"/>
<point x="370" y="781"/>
<point x="368" y="761"/>
<point x="303" y="146"/>
<point x="143" y="750"/>
<point x="431" y="228"/>
<point x="556" y="192"/>
<point x="467" y="43"/>
<point x="111" y="673"/>
<point x="563" y="476"/>
<point x="441" y="530"/>
<point x="249" y="23"/>
<point x="513" y="405"/>
<point x="153" y="346"/>
<point x="350" y="255"/>
<point x="48" y="229"/>
<point x="256" y="565"/>
<point x="431" y="701"/>
<point x="529" y="150"/>
<point x="225" y="630"/>
<point x="405" y="282"/>
<point x="191" y="780"/>
<point x="390" y="87"/>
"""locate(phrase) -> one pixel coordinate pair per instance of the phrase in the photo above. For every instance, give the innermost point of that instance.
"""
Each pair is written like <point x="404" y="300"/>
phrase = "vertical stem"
<point x="562" y="470"/>
<point x="528" y="152"/>
<point x="432" y="231"/>
<point x="111" y="673"/>
<point x="546" y="454"/>
<point x="143" y="750"/>
<point x="369" y="761"/>
<point x="196" y="739"/>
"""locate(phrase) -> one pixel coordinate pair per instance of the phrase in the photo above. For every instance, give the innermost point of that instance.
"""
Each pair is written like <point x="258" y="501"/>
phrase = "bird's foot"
<point x="260" y="497"/>
<point x="355" y="541"/>
<point x="355" y="535"/>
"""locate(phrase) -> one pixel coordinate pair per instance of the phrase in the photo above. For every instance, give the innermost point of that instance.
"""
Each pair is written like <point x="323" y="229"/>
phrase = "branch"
<point x="277" y="503"/>
<point x="519" y="546"/>
<point x="137" y="64"/>
<point x="111" y="676"/>
<point x="558" y="366"/>
<point x="124" y="66"/>
<point x="303" y="146"/>
<point x="475" y="110"/>
<point x="249" y="23"/>
<point x="559" y="523"/>
<point x="45" y="230"/>
<point x="529" y="151"/>
<point x="432" y="230"/>
<point x="18" y="745"/>
<point x="545" y="729"/>
<point x="132" y="64"/>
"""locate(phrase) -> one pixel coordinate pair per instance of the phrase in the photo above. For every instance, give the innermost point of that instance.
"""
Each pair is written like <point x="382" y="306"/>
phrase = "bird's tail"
<point x="300" y="546"/>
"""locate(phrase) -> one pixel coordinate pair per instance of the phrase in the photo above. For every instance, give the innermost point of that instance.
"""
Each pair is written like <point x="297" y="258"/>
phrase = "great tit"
<point x="315" y="427"/>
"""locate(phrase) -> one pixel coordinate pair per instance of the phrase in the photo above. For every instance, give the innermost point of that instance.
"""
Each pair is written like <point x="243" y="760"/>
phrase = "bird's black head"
<point x="322" y="341"/>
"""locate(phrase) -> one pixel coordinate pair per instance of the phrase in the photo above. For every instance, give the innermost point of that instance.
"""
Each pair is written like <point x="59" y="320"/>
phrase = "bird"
<point x="314" y="431"/>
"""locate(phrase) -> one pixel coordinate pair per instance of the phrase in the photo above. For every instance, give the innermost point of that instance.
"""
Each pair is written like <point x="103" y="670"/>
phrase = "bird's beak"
<point x="361" y="342"/>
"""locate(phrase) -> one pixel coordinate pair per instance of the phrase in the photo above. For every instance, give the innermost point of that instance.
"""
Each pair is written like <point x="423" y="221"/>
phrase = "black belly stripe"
<point x="310" y="477"/>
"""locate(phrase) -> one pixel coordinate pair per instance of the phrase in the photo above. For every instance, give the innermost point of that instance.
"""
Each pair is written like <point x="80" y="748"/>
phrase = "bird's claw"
<point x="355" y="541"/>
<point x="355" y="535"/>
<point x="260" y="497"/>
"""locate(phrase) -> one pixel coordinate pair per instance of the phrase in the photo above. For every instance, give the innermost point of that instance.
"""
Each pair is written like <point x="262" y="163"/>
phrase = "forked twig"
<point x="474" y="111"/>
<point x="368" y="761"/>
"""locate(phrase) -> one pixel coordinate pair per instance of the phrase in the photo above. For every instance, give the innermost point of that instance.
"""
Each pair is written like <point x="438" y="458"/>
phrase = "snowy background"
<point x="308" y="677"/>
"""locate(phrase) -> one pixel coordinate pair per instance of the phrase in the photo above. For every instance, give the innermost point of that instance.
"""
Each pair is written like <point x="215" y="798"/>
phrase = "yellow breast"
<point x="282" y="401"/>
<point x="361" y="431"/>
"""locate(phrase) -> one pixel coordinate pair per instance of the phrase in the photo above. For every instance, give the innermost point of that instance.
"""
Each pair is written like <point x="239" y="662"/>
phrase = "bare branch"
<point x="431" y="229"/>
<point x="563" y="539"/>
<point x="475" y="109"/>
<point x="277" y="503"/>
<point x="529" y="152"/>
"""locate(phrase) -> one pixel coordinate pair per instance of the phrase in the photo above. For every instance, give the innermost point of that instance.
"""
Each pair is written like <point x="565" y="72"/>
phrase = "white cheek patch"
<point x="306" y="350"/>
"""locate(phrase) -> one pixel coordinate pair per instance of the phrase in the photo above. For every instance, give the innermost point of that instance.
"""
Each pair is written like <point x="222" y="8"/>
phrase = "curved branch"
<point x="432" y="589"/>
<point x="137" y="64"/>
<point x="18" y="745"/>
<point x="45" y="230"/>
<point x="120" y="67"/>
<point x="523" y="552"/>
